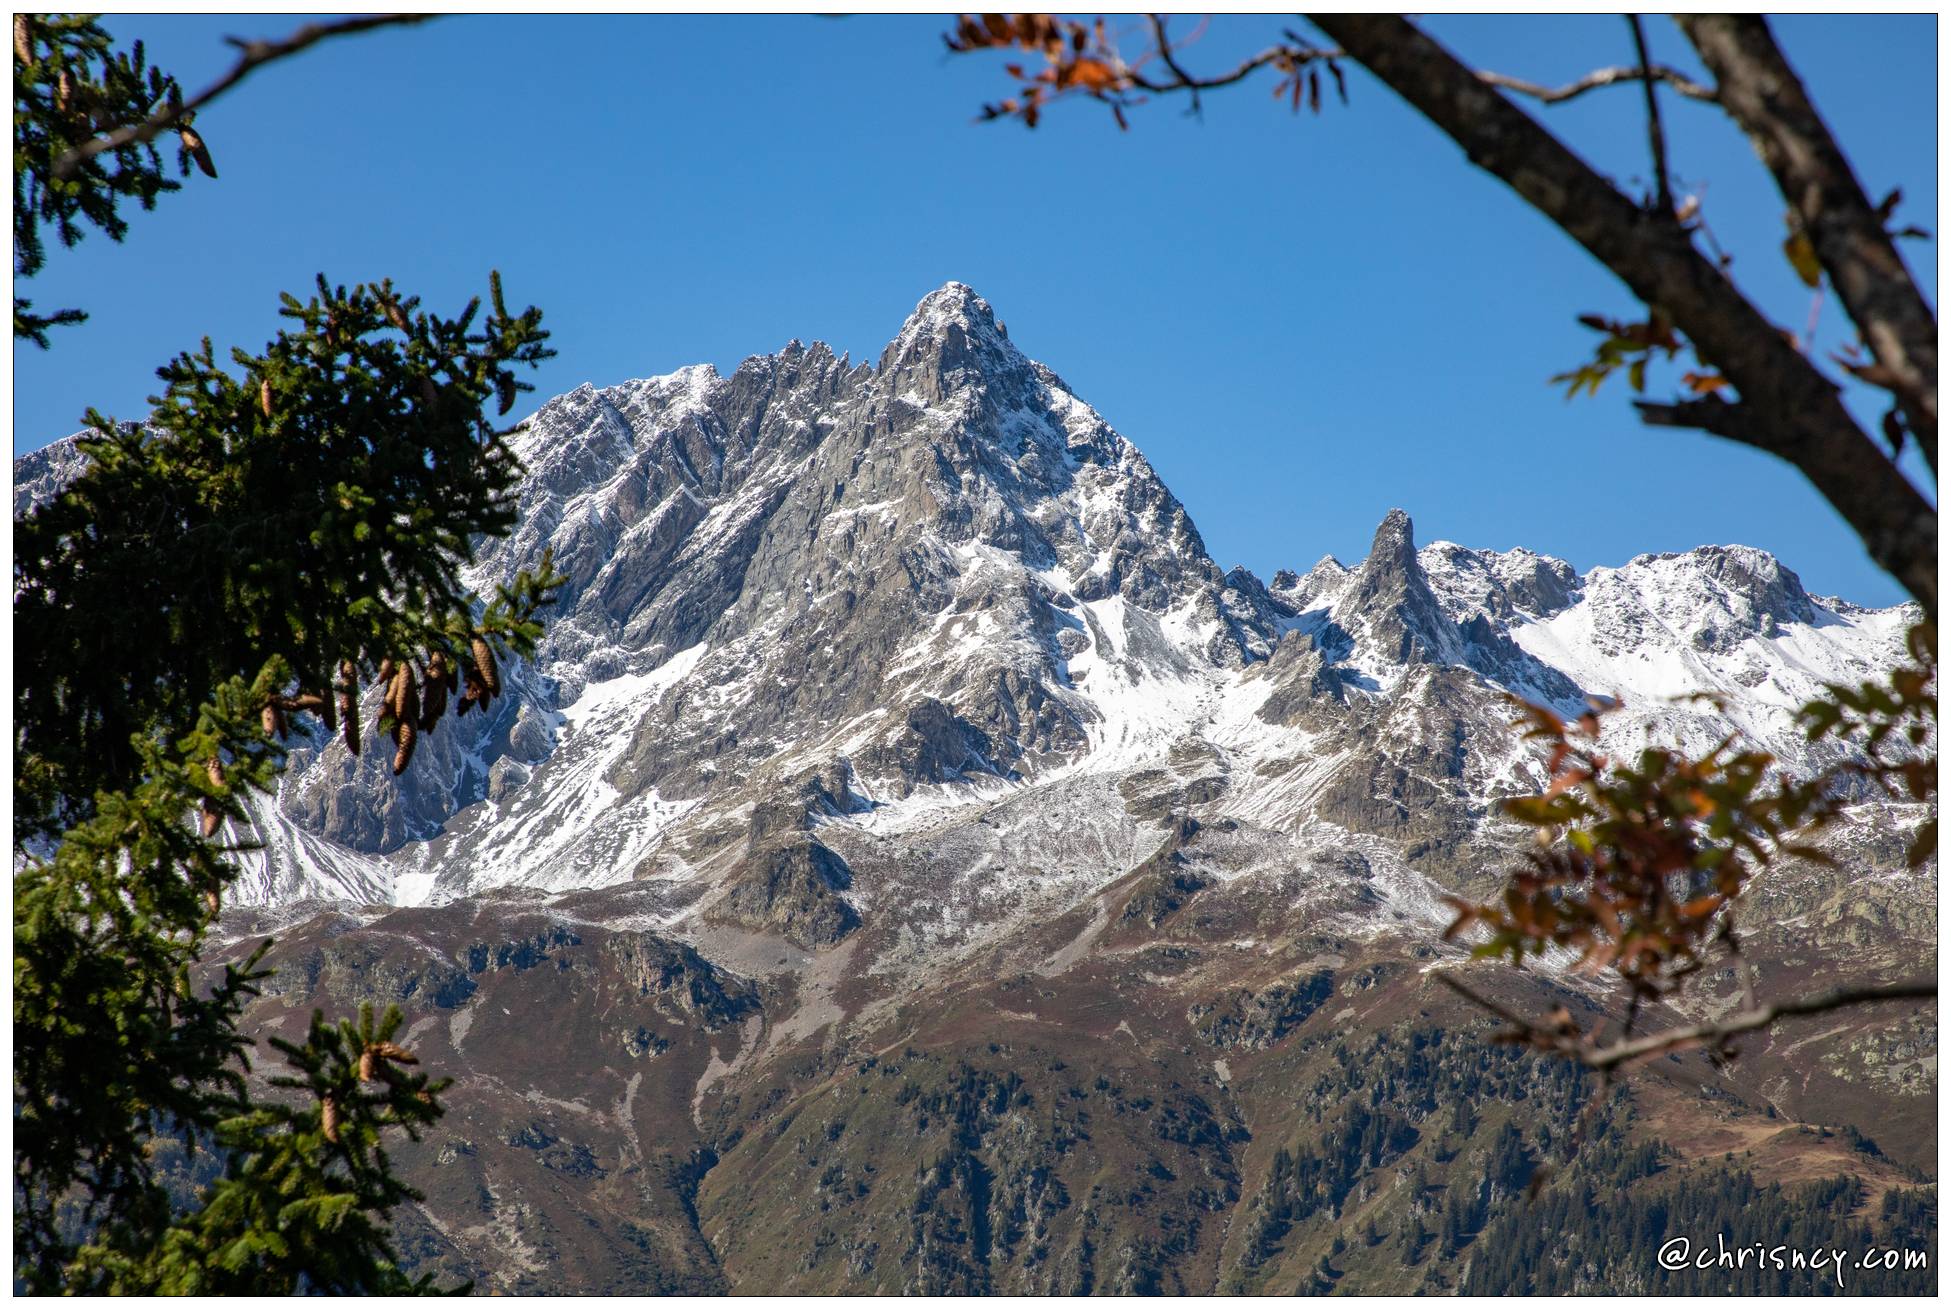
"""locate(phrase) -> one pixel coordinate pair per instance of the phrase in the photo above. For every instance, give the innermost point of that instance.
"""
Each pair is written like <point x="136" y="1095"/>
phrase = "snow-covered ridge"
<point x="877" y="603"/>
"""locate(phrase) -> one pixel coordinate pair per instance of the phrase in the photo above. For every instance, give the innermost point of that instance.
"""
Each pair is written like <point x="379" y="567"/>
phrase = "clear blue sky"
<point x="1302" y="321"/>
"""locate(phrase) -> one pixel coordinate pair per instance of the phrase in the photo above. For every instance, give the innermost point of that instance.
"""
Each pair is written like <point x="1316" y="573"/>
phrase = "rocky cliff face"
<point x="896" y="736"/>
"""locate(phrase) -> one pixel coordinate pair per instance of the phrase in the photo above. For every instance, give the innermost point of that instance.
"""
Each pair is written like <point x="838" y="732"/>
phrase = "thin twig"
<point x="1655" y="133"/>
<point x="1602" y="77"/>
<point x="1183" y="81"/>
<point x="255" y="55"/>
<point x="1714" y="1032"/>
<point x="1749" y="1020"/>
<point x="1157" y="22"/>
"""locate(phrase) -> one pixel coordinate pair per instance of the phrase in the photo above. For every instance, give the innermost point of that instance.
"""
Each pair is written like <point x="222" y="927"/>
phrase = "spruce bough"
<point x="235" y="569"/>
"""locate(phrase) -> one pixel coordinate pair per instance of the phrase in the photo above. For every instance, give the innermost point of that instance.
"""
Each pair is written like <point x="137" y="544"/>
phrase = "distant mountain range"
<point x="900" y="702"/>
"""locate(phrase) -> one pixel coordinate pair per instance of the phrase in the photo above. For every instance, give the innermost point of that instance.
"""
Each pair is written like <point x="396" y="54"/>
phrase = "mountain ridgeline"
<point x="911" y="863"/>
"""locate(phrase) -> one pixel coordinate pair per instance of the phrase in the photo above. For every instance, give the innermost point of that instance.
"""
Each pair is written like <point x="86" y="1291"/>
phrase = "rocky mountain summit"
<point x="896" y="716"/>
<point x="830" y="603"/>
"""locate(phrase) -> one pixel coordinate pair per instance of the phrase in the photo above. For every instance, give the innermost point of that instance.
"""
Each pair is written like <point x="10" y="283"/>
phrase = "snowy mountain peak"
<point x="951" y="340"/>
<point x="1752" y="586"/>
<point x="953" y="304"/>
<point x="866" y="606"/>
<point x="1505" y="585"/>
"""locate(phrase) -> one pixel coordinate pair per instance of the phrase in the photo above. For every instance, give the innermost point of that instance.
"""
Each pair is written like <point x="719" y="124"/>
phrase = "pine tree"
<point x="251" y="555"/>
<point x="233" y="568"/>
<point x="68" y="84"/>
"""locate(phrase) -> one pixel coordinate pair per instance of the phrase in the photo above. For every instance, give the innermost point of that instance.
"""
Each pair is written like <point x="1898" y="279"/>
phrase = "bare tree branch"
<point x="255" y="55"/>
<point x="1164" y="44"/>
<point x="1575" y="1045"/>
<point x="1663" y="196"/>
<point x="1705" y="414"/>
<point x="1796" y="413"/>
<point x="1603" y="77"/>
<point x="1281" y="56"/>
<point x="1762" y="94"/>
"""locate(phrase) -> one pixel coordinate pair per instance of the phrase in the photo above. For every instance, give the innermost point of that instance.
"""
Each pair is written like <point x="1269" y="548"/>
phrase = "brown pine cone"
<point x="328" y="1118"/>
<point x="433" y="702"/>
<point x="198" y="152"/>
<point x="346" y="693"/>
<point x="403" y="698"/>
<point x="406" y="735"/>
<point x="210" y="816"/>
<point x="484" y="664"/>
<point x="264" y="396"/>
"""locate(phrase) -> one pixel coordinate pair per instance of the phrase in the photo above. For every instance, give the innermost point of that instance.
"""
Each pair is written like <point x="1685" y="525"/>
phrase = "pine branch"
<point x="255" y="55"/>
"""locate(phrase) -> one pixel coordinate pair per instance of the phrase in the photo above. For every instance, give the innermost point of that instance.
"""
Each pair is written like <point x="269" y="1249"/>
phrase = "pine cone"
<point x="273" y="717"/>
<point x="213" y="902"/>
<point x="264" y="396"/>
<point x="433" y="701"/>
<point x="396" y="1053"/>
<point x="200" y="153"/>
<point x="310" y="702"/>
<point x="397" y="317"/>
<point x="367" y="1061"/>
<point x="328" y="1118"/>
<point x="434" y="692"/>
<point x="23" y="39"/>
<point x="427" y="393"/>
<point x="386" y="672"/>
<point x="345" y="692"/>
<point x="211" y="816"/>
<point x="484" y="664"/>
<point x="404" y="696"/>
<point x="406" y="735"/>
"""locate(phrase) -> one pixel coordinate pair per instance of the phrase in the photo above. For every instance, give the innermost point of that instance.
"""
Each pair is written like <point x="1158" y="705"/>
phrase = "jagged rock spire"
<point x="1391" y="597"/>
